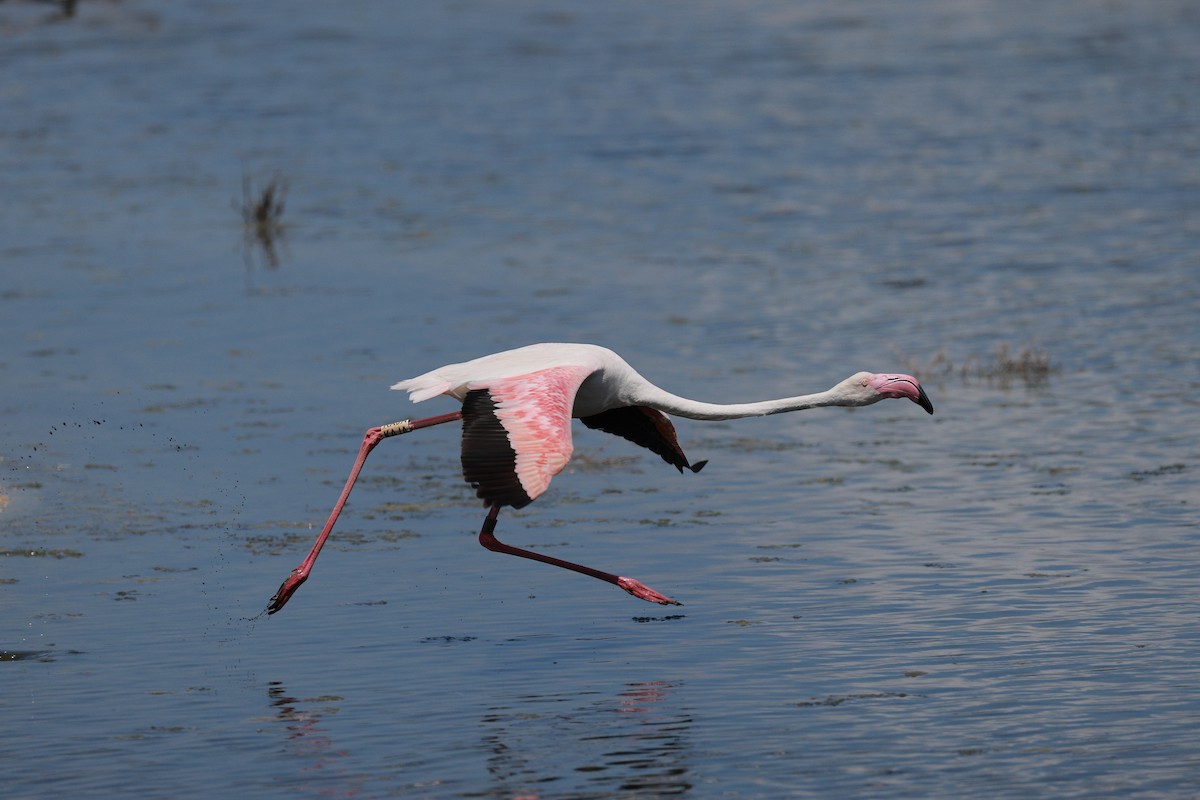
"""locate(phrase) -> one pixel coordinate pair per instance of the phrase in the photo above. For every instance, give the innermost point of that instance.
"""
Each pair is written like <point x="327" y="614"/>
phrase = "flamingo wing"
<point x="647" y="427"/>
<point x="517" y="433"/>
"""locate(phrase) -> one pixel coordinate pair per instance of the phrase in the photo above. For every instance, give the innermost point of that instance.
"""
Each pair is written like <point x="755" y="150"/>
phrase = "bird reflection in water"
<point x="306" y="739"/>
<point x="636" y="742"/>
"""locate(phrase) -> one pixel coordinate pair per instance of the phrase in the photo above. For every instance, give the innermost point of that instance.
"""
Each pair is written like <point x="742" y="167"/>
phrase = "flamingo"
<point x="516" y="416"/>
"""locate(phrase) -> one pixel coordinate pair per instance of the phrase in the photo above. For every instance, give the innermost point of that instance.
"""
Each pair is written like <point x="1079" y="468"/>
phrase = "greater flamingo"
<point x="516" y="413"/>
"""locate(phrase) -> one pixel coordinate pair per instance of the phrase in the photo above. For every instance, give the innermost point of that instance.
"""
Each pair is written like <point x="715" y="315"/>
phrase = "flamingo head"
<point x="888" y="385"/>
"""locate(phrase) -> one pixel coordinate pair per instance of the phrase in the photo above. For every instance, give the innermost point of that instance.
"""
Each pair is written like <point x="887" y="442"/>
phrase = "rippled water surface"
<point x="746" y="200"/>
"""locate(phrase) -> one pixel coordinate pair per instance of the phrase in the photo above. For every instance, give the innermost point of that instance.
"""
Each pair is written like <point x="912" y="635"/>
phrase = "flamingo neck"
<point x="693" y="409"/>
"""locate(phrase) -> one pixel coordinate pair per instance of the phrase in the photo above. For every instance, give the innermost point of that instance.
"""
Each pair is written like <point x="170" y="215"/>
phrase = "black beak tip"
<point x="924" y="402"/>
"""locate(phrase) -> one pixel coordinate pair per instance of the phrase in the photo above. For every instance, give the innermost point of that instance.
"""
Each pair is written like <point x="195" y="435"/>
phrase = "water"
<point x="746" y="201"/>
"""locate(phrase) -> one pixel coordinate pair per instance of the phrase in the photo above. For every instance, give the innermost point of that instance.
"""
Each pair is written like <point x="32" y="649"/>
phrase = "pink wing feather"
<point x="535" y="413"/>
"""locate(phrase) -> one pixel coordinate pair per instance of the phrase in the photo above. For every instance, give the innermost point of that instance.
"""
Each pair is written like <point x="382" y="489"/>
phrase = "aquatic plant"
<point x="262" y="215"/>
<point x="1028" y="363"/>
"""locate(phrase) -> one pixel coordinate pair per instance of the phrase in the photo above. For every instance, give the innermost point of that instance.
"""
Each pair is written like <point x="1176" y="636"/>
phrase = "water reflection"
<point x="637" y="741"/>
<point x="306" y="739"/>
<point x="587" y="743"/>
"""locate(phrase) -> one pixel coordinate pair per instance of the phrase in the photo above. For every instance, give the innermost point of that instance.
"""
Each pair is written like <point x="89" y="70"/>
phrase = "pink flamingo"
<point x="516" y="413"/>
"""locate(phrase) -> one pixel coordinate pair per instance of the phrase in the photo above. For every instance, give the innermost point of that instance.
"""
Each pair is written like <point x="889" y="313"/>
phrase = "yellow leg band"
<point x="396" y="428"/>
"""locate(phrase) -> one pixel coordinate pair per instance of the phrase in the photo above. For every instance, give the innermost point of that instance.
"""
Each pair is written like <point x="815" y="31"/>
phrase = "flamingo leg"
<point x="372" y="437"/>
<point x="487" y="538"/>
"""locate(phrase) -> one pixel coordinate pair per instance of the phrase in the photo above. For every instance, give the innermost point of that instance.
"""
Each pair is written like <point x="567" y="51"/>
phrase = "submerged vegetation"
<point x="262" y="214"/>
<point x="1028" y="364"/>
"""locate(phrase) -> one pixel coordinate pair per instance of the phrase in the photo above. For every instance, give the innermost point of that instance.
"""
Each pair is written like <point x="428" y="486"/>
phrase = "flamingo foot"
<point x="286" y="590"/>
<point x="641" y="590"/>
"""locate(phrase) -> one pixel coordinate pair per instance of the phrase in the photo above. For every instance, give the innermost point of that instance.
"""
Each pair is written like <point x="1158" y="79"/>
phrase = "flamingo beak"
<point x="902" y="386"/>
<point x="923" y="400"/>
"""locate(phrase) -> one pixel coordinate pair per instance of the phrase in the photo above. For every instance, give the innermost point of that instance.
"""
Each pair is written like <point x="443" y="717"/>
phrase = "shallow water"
<point x="745" y="200"/>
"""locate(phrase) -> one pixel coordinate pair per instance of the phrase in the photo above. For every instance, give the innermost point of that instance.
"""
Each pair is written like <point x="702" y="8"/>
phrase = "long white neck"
<point x="650" y="395"/>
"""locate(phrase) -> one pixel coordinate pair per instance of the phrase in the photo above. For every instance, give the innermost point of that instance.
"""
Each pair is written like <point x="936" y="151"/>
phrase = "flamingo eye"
<point x="865" y="382"/>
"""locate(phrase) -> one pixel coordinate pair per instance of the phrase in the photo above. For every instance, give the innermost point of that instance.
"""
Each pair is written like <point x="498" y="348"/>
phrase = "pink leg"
<point x="372" y="437"/>
<point x="488" y="539"/>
